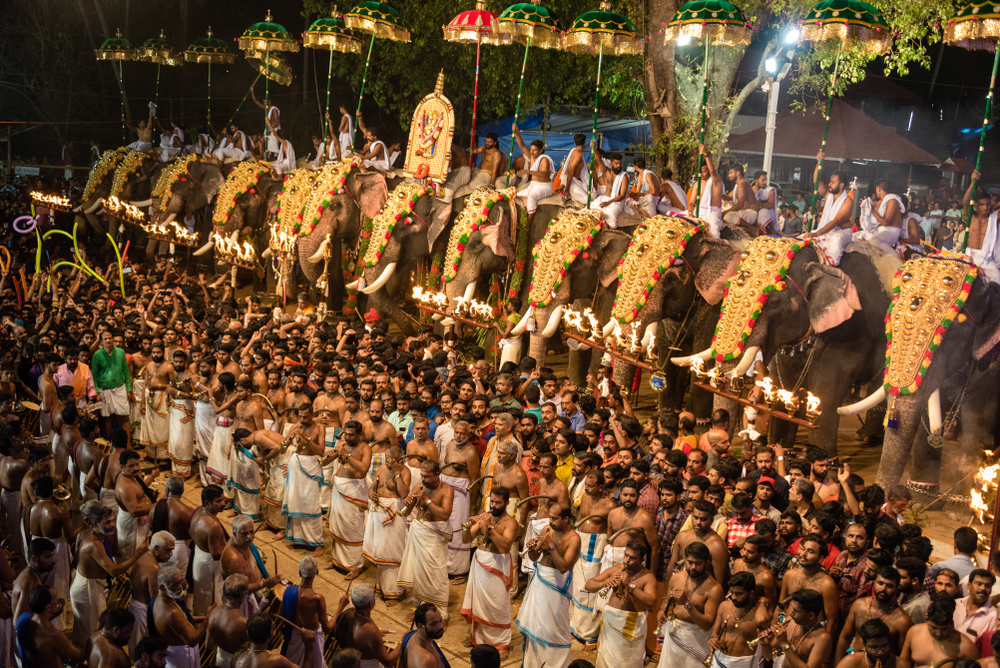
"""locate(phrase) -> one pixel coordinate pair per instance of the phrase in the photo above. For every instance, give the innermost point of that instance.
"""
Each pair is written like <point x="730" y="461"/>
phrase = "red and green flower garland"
<point x="351" y="304"/>
<point x="400" y="205"/>
<point x="176" y="172"/>
<point x="243" y="179"/>
<point x="755" y="279"/>
<point x="924" y="271"/>
<point x="520" y="255"/>
<point x="106" y="164"/>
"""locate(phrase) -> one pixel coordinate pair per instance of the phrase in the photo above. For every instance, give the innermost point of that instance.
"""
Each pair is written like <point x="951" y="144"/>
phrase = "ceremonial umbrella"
<point x="209" y="50"/>
<point x="976" y="25"/>
<point x="856" y="24"/>
<point x="157" y="50"/>
<point x="332" y="34"/>
<point x="591" y="33"/>
<point x="475" y="27"/>
<point x="257" y="43"/>
<point x="379" y="20"/>
<point x="527" y="22"/>
<point x="118" y="48"/>
<point x="708" y="20"/>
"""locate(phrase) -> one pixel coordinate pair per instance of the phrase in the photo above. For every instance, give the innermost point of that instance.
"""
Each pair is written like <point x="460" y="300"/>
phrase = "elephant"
<point x="837" y="312"/>
<point x="192" y="194"/>
<point x="592" y="252"/>
<point x="682" y="307"/>
<point x="135" y="188"/>
<point x="964" y="369"/>
<point x="400" y="240"/>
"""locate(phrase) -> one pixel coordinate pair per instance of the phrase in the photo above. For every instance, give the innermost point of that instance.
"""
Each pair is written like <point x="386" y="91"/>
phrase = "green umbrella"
<point x="976" y="25"/>
<point x="158" y="50"/>
<point x="380" y="21"/>
<point x="592" y="33"/>
<point x="331" y="34"/>
<point x="856" y="24"/>
<point x="527" y="23"/>
<point x="708" y="20"/>
<point x="118" y="48"/>
<point x="209" y="50"/>
<point x="257" y="43"/>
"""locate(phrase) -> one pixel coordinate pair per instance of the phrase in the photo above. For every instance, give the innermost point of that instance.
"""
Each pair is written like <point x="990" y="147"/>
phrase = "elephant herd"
<point x="732" y="300"/>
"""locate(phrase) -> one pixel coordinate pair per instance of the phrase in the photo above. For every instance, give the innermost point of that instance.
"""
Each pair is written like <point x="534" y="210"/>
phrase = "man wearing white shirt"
<point x="932" y="221"/>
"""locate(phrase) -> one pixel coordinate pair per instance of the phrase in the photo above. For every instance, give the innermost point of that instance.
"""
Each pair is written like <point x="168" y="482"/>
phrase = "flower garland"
<point x="920" y="290"/>
<point x="354" y="271"/>
<point x="105" y="165"/>
<point x="176" y="172"/>
<point x="130" y="165"/>
<point x="400" y="205"/>
<point x="655" y="245"/>
<point x="566" y="237"/>
<point x="241" y="180"/>
<point x="474" y="216"/>
<point x="762" y="269"/>
<point x="520" y="255"/>
<point x="295" y="190"/>
<point x="330" y="182"/>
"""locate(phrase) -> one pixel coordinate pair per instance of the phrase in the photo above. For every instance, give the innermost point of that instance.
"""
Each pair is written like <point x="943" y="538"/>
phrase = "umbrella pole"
<point x="329" y="75"/>
<point x="979" y="156"/>
<point x="364" y="79"/>
<point x="517" y="111"/>
<point x="245" y="96"/>
<point x="593" y="152"/>
<point x="704" y="106"/>
<point x="210" y="93"/>
<point x="267" y="96"/>
<point x="156" y="91"/>
<point x="121" y="87"/>
<point x="475" y="91"/>
<point x="822" y="149"/>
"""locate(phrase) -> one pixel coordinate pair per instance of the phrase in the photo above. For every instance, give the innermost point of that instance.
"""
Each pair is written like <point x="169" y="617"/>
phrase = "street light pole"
<point x="771" y="123"/>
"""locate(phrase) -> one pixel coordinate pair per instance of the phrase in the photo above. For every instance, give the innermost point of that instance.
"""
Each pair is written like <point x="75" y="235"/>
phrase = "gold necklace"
<point x="796" y="645"/>
<point x="736" y="622"/>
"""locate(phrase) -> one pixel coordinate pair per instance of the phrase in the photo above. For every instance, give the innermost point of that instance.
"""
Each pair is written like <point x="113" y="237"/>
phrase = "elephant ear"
<point x="372" y="193"/>
<point x="831" y="294"/>
<point x="439" y="222"/>
<point x="497" y="236"/>
<point x="984" y="305"/>
<point x="209" y="175"/>
<point x="609" y="245"/>
<point x="716" y="260"/>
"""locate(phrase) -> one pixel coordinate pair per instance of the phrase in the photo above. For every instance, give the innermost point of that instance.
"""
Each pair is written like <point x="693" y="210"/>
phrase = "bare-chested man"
<point x="41" y="563"/>
<point x="105" y="648"/>
<point x="630" y="591"/>
<point x="878" y="650"/>
<point x="159" y="375"/>
<point x="41" y="465"/>
<point x="144" y="585"/>
<point x="295" y="397"/>
<point x="173" y="515"/>
<point x="47" y="519"/>
<point x="330" y="401"/>
<point x="880" y="605"/>
<point x="355" y="629"/>
<point x="493" y="160"/>
<point x="751" y="559"/>
<point x="701" y="532"/>
<point x="689" y="608"/>
<point x="227" y="623"/>
<point x="550" y="486"/>
<point x="639" y="523"/>
<point x="259" y="656"/>
<point x="461" y="467"/>
<point x="134" y="503"/>
<point x="385" y="530"/>
<point x="424" y="564"/>
<point x="420" y="446"/>
<point x="937" y="639"/>
<point x="805" y="640"/>
<point x="740" y="619"/>
<point x="65" y="445"/>
<point x="210" y="539"/>
<point x="95" y="564"/>
<point x="40" y="642"/>
<point x="812" y="550"/>
<point x="595" y="505"/>
<point x="86" y="454"/>
<point x="419" y="647"/>
<point x="275" y="394"/>
<point x="47" y="392"/>
<point x="13" y="467"/>
<point x="378" y="428"/>
<point x="545" y="613"/>
<point x="350" y="500"/>
<point x="151" y="653"/>
<point x="306" y="608"/>
<point x="173" y="621"/>
<point x="744" y="201"/>
<point x="573" y="177"/>
<point x="242" y="556"/>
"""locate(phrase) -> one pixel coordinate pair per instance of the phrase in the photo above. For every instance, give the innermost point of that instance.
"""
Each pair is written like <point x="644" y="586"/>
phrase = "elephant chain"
<point x="936" y="441"/>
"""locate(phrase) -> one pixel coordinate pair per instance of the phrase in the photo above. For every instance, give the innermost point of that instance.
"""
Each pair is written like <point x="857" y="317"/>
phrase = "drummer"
<point x="242" y="556"/>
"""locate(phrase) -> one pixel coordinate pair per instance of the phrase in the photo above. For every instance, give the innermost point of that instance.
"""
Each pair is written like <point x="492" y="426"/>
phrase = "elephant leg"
<point x="335" y="277"/>
<point x="899" y="442"/>
<point x="152" y="245"/>
<point x="95" y="224"/>
<point x="926" y="465"/>
<point x="579" y="363"/>
<point x="873" y="429"/>
<point x="624" y="374"/>
<point x="387" y="307"/>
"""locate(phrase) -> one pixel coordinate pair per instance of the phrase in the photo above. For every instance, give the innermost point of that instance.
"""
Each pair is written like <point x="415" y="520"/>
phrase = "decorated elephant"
<point x="400" y="240"/>
<point x="185" y="188"/>
<point x="576" y="259"/>
<point x="943" y="332"/>
<point x="670" y="284"/>
<point x="242" y="204"/>
<point x="783" y="296"/>
<point x="124" y="174"/>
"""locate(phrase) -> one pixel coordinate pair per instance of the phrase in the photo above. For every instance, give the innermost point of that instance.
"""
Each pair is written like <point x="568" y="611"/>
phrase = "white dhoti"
<point x="720" y="660"/>
<point x="612" y="556"/>
<point x="296" y="650"/>
<point x="87" y="598"/>
<point x="301" y="506"/>
<point x="480" y="179"/>
<point x="684" y="645"/>
<point x="218" y="467"/>
<point x="534" y="528"/>
<point x="181" y="555"/>
<point x="578" y="191"/>
<point x="131" y="531"/>
<point x="534" y="193"/>
<point x="114" y="401"/>
<point x="734" y="216"/>
<point x="713" y="216"/>
<point x="204" y="433"/>
<point x="107" y="498"/>
<point x="424" y="567"/>
<point x="59" y="577"/>
<point x="207" y="575"/>
<point x="487" y="599"/>
<point x="223" y="659"/>
<point x="510" y="350"/>
<point x="182" y="656"/>
<point x="544" y="618"/>
<point x="136" y="408"/>
<point x="456" y="179"/>
<point x="584" y="624"/>
<point x="648" y="202"/>
<point x="985" y="261"/>
<point x="141" y="146"/>
<point x="330" y="469"/>
<point x="883" y="238"/>
<point x="611" y="209"/>
<point x="156" y="426"/>
<point x="245" y="481"/>
<point x="181" y="440"/>
<point x="139" y="631"/>
<point x="231" y="153"/>
<point x="346" y="142"/>
<point x="274" y="493"/>
<point x="347" y="522"/>
<point x="459" y="553"/>
<point x="384" y="544"/>
<point x="622" y="643"/>
<point x="12" y="518"/>
<point x="833" y="243"/>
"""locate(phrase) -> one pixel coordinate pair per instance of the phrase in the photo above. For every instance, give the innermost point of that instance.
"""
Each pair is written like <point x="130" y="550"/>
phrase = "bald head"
<point x="719" y="440"/>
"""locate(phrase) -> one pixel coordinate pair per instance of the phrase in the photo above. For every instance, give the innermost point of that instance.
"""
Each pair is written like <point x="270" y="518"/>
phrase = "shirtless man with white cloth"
<point x="984" y="237"/>
<point x="689" y="611"/>
<point x="672" y="197"/>
<point x="882" y="220"/>
<point x="834" y="230"/>
<point x="542" y="172"/>
<point x="709" y="206"/>
<point x="649" y="187"/>
<point x="350" y="501"/>
<point x="613" y="204"/>
<point x="572" y="177"/>
<point x="767" y="196"/>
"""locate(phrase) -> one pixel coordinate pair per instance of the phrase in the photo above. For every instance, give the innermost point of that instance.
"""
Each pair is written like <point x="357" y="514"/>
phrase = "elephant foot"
<point x="862" y="435"/>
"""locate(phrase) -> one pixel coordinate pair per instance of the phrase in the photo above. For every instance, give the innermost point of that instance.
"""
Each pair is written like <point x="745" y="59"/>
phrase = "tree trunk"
<point x="661" y="83"/>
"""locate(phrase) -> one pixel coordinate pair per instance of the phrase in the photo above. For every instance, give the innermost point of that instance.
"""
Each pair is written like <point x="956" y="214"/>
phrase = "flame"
<point x="574" y="320"/>
<point x="281" y="240"/>
<point x="788" y="398"/>
<point x="768" y="386"/>
<point x="123" y="209"/>
<point x="50" y="200"/>
<point x="698" y="366"/>
<point x="978" y="505"/>
<point x="812" y="404"/>
<point x="437" y="299"/>
<point x="596" y="331"/>
<point x="651" y="345"/>
<point x="234" y="251"/>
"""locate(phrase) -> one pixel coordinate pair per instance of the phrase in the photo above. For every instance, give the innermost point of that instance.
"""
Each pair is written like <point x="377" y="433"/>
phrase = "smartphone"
<point x="127" y="270"/>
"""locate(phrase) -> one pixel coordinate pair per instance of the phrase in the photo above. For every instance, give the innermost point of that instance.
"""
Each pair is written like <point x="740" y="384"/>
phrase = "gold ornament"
<point x="172" y="173"/>
<point x="297" y="187"/>
<point x="108" y="161"/>
<point x="473" y="217"/>
<point x="568" y="235"/>
<point x="400" y="204"/>
<point x="129" y="164"/>
<point x="330" y="180"/>
<point x="244" y="177"/>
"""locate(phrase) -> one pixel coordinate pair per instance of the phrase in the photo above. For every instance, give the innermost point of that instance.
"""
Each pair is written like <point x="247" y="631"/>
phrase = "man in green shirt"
<point x="113" y="383"/>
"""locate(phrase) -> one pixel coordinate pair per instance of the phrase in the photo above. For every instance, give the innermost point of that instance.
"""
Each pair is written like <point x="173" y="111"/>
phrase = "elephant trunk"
<point x="686" y="360"/>
<point x="93" y="207"/>
<point x="749" y="355"/>
<point x="380" y="282"/>
<point x="872" y="400"/>
<point x="899" y="443"/>
<point x="934" y="411"/>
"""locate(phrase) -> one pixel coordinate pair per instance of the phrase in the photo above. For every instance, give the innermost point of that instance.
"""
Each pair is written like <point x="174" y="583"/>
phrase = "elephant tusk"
<point x="207" y="247"/>
<point x="553" y="324"/>
<point x="77" y="209"/>
<point x="745" y="362"/>
<point x="648" y="336"/>
<point x="235" y="236"/>
<point x="144" y="203"/>
<point x="470" y="291"/>
<point x="522" y="324"/>
<point x="353" y="285"/>
<point x="873" y="399"/>
<point x="609" y="327"/>
<point x="170" y="219"/>
<point x="436" y="316"/>
<point x="704" y="355"/>
<point x="93" y="207"/>
<point x="934" y="411"/>
<point x="380" y="282"/>
<point x="267" y="253"/>
<point x="318" y="255"/>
